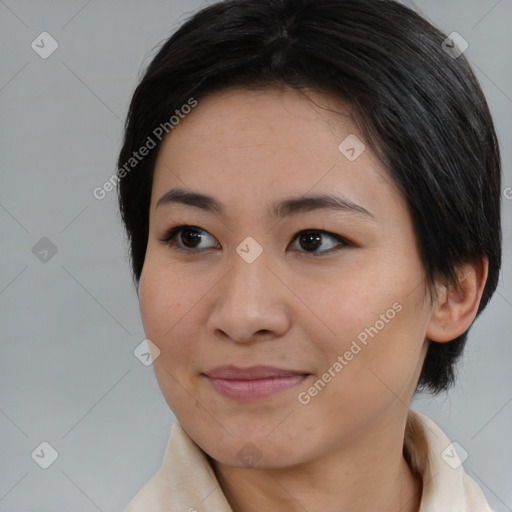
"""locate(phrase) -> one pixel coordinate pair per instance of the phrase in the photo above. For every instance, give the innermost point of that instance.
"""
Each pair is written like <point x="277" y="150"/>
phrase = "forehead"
<point x="247" y="146"/>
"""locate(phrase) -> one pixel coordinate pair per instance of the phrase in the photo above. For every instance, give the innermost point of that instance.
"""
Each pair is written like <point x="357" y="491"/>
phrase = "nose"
<point x="250" y="303"/>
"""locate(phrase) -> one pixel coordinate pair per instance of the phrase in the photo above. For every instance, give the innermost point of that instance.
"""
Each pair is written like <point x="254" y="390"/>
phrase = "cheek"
<point x="172" y="315"/>
<point x="162" y="301"/>
<point x="347" y="308"/>
<point x="150" y="301"/>
<point x="378" y="328"/>
<point x="393" y="355"/>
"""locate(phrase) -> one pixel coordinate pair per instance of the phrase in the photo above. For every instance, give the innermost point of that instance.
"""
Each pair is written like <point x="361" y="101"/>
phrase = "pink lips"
<point x="254" y="382"/>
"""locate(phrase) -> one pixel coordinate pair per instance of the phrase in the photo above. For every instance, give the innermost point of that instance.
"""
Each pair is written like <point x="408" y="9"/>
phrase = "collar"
<point x="446" y="486"/>
<point x="187" y="482"/>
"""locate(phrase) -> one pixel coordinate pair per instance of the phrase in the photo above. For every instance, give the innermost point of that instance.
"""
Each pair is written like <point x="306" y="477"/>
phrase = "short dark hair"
<point x="419" y="107"/>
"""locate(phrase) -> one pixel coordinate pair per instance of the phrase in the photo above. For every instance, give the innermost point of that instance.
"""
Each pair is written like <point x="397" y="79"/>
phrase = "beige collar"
<point x="187" y="482"/>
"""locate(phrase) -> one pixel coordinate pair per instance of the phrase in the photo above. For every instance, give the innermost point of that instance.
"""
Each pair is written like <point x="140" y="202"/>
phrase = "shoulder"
<point x="184" y="482"/>
<point x="153" y="495"/>
<point x="446" y="485"/>
<point x="474" y="497"/>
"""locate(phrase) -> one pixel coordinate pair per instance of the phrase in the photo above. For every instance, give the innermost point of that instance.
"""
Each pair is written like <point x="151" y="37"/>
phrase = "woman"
<point x="311" y="192"/>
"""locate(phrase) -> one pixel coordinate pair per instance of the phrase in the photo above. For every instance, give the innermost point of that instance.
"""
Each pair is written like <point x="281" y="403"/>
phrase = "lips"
<point x="251" y="373"/>
<point x="252" y="383"/>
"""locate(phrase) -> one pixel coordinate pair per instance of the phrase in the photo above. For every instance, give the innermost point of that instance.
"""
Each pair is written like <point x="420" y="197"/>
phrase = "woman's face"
<point x="342" y="307"/>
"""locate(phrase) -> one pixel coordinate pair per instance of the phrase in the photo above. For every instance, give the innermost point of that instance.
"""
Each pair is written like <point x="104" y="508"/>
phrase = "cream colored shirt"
<point x="186" y="481"/>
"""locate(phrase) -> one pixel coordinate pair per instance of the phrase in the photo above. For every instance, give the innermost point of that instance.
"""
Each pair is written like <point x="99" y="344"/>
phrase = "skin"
<point x="342" y="451"/>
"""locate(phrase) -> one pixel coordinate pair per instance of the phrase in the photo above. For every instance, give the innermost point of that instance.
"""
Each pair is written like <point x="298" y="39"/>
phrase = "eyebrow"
<point x="285" y="208"/>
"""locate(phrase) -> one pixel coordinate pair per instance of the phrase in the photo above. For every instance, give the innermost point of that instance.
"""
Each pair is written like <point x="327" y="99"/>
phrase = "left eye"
<point x="189" y="238"/>
<point x="313" y="239"/>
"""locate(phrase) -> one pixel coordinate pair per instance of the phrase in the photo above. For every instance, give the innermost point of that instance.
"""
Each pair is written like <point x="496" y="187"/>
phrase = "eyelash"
<point x="169" y="236"/>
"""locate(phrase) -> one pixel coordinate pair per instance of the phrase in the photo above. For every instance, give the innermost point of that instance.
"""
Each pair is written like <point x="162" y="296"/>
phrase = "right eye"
<point x="185" y="238"/>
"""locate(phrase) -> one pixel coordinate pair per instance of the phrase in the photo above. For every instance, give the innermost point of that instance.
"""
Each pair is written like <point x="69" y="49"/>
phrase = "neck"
<point x="367" y="473"/>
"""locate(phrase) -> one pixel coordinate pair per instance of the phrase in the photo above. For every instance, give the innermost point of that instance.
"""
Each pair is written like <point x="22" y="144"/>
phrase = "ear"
<point x="456" y="304"/>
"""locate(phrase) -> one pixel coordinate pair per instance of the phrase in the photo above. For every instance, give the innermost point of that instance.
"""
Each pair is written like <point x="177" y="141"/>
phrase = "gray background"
<point x="69" y="326"/>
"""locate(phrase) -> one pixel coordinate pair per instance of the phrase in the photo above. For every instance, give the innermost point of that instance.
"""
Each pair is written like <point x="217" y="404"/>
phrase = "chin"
<point x="251" y="451"/>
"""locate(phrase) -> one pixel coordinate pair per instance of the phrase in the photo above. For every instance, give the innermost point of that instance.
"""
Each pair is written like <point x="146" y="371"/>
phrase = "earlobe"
<point x="456" y="304"/>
